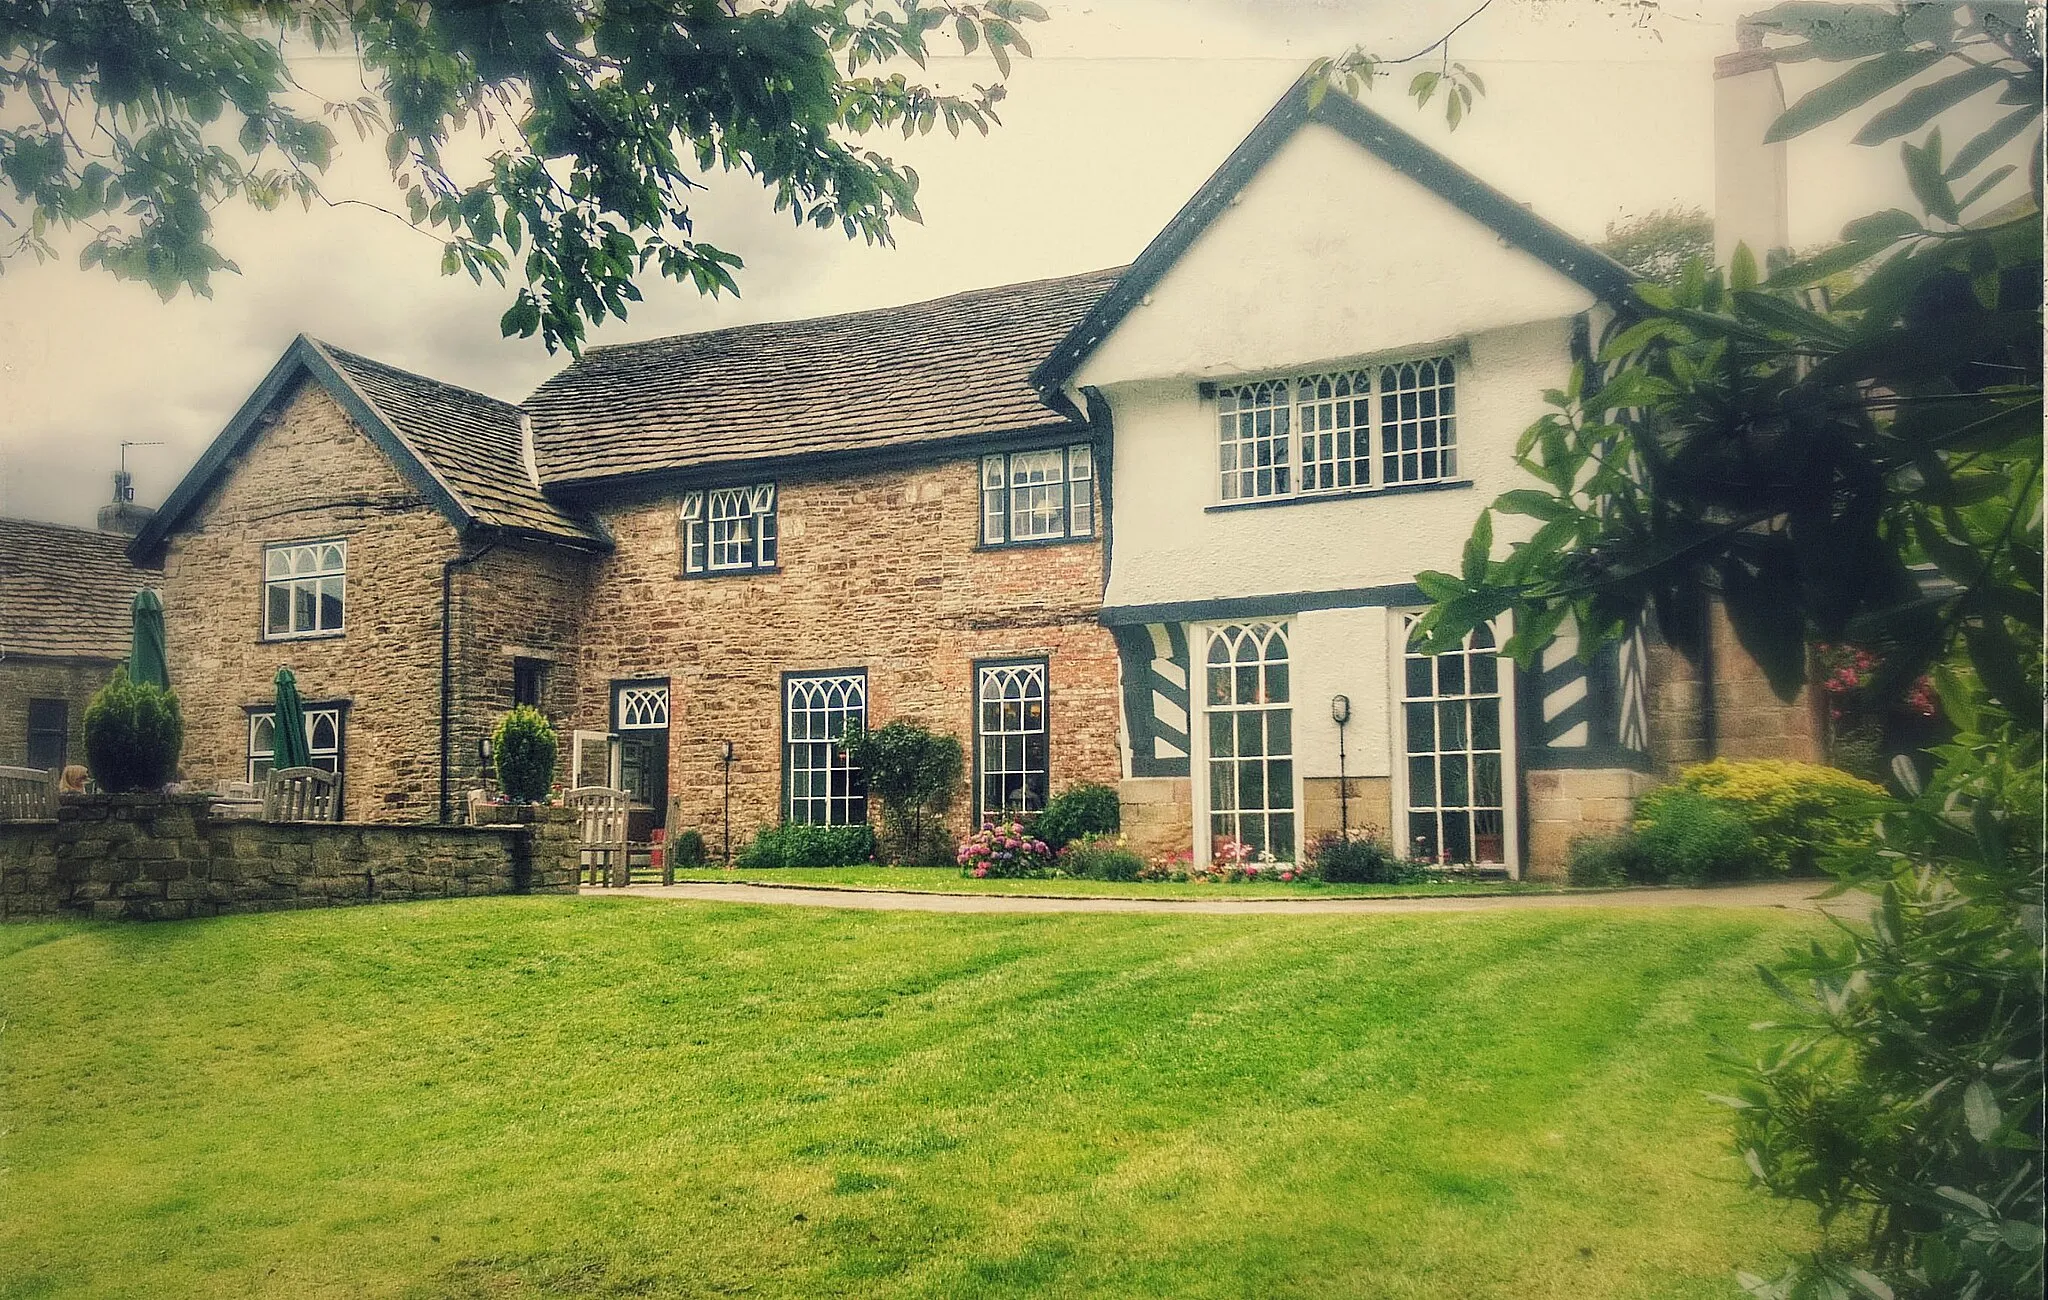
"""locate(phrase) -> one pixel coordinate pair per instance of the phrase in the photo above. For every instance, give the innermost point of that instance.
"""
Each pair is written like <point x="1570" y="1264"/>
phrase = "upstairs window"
<point x="729" y="530"/>
<point x="303" y="588"/>
<point x="1038" y="496"/>
<point x="1374" y="427"/>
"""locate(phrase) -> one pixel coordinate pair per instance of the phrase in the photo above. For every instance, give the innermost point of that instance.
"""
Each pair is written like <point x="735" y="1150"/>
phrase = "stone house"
<point x="703" y="555"/>
<point x="65" y="596"/>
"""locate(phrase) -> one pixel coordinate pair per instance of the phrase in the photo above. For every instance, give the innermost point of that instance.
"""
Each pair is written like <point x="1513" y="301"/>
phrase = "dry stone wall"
<point x="162" y="857"/>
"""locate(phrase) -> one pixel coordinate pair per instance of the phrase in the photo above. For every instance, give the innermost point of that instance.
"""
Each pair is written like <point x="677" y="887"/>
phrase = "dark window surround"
<point x="529" y="680"/>
<point x="782" y="728"/>
<point x="341" y="705"/>
<point x="263" y="633"/>
<point x="1067" y="535"/>
<point x="768" y="538"/>
<point x="974" y="695"/>
<point x="51" y="731"/>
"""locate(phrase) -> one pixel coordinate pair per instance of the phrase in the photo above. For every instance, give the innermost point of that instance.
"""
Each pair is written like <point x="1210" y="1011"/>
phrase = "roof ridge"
<point x="335" y="350"/>
<point x="120" y="539"/>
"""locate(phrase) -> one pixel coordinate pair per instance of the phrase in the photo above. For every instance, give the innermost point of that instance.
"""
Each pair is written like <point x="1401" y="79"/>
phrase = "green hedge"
<point x="796" y="844"/>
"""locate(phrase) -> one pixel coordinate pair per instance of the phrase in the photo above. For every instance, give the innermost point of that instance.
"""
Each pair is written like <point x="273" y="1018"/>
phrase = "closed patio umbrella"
<point x="288" y="736"/>
<point x="146" y="661"/>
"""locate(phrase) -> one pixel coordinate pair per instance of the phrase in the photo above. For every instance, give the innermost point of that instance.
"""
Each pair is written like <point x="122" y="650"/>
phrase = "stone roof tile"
<point x="65" y="592"/>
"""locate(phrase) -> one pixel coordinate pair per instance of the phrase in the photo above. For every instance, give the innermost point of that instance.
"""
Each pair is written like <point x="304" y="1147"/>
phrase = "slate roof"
<point x="472" y="443"/>
<point x="65" y="592"/>
<point x="925" y="373"/>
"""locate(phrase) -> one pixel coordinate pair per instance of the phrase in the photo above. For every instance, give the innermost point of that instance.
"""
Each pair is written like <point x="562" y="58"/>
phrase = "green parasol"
<point x="146" y="661"/>
<point x="288" y="736"/>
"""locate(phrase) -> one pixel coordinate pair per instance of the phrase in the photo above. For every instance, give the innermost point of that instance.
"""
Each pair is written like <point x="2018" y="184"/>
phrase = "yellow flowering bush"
<point x="1795" y="812"/>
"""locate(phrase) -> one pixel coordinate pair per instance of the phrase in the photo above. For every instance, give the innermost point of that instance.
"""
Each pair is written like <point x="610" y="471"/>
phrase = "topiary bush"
<point x="524" y="749"/>
<point x="687" y="850"/>
<point x="1688" y="838"/>
<point x="133" y="734"/>
<point x="1360" y="860"/>
<point x="1077" y="812"/>
<point x="799" y="844"/>
<point x="1796" y="813"/>
<point x="1099" y="857"/>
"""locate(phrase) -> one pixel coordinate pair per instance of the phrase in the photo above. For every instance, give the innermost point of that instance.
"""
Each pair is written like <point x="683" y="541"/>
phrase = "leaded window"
<point x="1452" y="721"/>
<point x="1251" y="739"/>
<point x="323" y="739"/>
<point x="641" y="708"/>
<point x="1374" y="427"/>
<point x="304" y="588"/>
<point x="1010" y="726"/>
<point x="1038" y="496"/>
<point x="729" y="530"/>
<point x="825" y="788"/>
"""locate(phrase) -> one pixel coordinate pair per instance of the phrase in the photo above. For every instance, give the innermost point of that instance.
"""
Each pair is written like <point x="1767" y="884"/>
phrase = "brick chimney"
<point x="1751" y="204"/>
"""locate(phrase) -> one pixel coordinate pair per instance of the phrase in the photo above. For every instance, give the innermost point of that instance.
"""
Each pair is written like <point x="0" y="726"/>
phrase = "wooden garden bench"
<point x="27" y="794"/>
<point x="302" y="794"/>
<point x="601" y="831"/>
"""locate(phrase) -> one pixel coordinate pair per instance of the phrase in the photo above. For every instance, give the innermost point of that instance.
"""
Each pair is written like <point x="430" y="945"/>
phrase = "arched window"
<point x="1010" y="719"/>
<point x="825" y="788"/>
<point x="1451" y="717"/>
<point x="1251" y="738"/>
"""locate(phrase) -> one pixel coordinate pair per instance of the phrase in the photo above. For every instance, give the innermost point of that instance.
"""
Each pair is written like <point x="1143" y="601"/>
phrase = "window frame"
<point x="290" y="580"/>
<point x="1006" y="490"/>
<point x="857" y="781"/>
<point x="1366" y="468"/>
<point x="31" y="732"/>
<point x="1399" y="625"/>
<point x="527" y="669"/>
<point x="1043" y="663"/>
<point x="1200" y="638"/>
<point x="338" y="707"/>
<point x="697" y="516"/>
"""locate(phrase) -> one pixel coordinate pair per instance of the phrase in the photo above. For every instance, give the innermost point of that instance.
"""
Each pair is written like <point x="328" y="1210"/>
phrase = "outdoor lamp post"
<point x="1340" y="713"/>
<point x="726" y="759"/>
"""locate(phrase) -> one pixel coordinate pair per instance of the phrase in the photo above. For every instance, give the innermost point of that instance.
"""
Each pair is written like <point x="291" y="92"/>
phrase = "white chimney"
<point x="1750" y="199"/>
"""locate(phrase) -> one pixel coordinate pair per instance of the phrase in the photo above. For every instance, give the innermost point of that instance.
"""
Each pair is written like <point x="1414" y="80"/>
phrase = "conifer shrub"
<point x="524" y="749"/>
<point x="134" y="733"/>
<point x="687" y="849"/>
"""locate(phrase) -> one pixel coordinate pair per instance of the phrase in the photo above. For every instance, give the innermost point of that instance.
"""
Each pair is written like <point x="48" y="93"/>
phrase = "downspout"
<point x="1710" y="717"/>
<point x="448" y="568"/>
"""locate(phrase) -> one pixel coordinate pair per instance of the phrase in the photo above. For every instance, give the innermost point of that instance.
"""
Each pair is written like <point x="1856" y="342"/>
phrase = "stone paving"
<point x="1799" y="895"/>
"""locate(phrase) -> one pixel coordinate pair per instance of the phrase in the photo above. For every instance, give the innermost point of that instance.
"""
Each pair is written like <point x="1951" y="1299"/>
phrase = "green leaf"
<point x="1923" y="170"/>
<point x="968" y="34"/>
<point x="1980" y="1110"/>
<point x="1479" y="548"/>
<point x="1987" y="142"/>
<point x="1536" y="505"/>
<point x="1859" y="85"/>
<point x="1890" y="224"/>
<point x="1983" y="187"/>
<point x="1919" y="108"/>
<point x="1742" y="268"/>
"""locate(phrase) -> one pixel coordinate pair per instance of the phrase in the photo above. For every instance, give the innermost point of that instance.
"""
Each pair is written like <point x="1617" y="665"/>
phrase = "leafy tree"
<point x="1658" y="245"/>
<point x="916" y="773"/>
<point x="605" y="116"/>
<point x="1866" y="469"/>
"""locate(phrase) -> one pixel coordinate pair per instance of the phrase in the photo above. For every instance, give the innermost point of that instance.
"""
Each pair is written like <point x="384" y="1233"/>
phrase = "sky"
<point x="1596" y="110"/>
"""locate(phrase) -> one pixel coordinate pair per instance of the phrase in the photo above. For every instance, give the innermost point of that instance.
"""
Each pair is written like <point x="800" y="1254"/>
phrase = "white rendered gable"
<point x="1328" y="253"/>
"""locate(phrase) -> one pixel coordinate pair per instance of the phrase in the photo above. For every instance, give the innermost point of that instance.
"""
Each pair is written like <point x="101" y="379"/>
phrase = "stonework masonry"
<point x="879" y="570"/>
<point x="158" y="857"/>
<point x="73" y="681"/>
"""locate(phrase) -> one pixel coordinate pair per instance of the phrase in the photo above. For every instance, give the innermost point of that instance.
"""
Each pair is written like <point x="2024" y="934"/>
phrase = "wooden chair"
<point x="27" y="794"/>
<point x="302" y="794"/>
<point x="601" y="821"/>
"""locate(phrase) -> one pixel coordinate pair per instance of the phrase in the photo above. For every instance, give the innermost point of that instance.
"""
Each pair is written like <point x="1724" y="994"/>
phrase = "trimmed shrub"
<point x="1797" y="813"/>
<point x="133" y="735"/>
<point x="1100" y="858"/>
<point x="1694" y="839"/>
<point x="687" y="850"/>
<point x="1614" y="859"/>
<point x="1005" y="850"/>
<point x="798" y="844"/>
<point x="915" y="772"/>
<point x="524" y="749"/>
<point x="1360" y="861"/>
<point x="1077" y="812"/>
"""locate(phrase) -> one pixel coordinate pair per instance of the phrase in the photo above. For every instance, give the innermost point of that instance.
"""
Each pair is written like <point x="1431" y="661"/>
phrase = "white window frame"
<point x="313" y="567"/>
<point x="1199" y="638"/>
<point x="850" y="809"/>
<point x="1262" y="425"/>
<point x="1072" y="518"/>
<point x="1021" y="682"/>
<point x="730" y="530"/>
<point x="641" y="707"/>
<point x="1511" y="766"/>
<point x="326" y="757"/>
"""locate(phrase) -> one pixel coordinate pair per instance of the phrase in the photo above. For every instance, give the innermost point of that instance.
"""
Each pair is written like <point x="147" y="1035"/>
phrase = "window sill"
<point x="711" y="574"/>
<point x="271" y="638"/>
<point x="1035" y="543"/>
<point x="1343" y="494"/>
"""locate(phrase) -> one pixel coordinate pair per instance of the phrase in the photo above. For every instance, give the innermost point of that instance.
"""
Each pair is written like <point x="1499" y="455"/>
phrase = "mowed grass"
<point x="948" y="880"/>
<point x="579" y="1097"/>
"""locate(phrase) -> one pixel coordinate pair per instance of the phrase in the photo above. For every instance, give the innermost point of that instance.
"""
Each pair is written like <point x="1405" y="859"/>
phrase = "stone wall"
<point x="154" y="857"/>
<point x="314" y="475"/>
<point x="879" y="570"/>
<point x="1567" y="803"/>
<point x="73" y="681"/>
<point x="1743" y="719"/>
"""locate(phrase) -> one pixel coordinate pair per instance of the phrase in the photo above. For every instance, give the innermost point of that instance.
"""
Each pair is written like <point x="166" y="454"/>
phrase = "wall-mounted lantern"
<point x="1340" y="713"/>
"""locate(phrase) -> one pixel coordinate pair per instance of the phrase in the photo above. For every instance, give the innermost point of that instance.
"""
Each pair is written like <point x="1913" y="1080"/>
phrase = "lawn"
<point x="582" y="1097"/>
<point x="948" y="880"/>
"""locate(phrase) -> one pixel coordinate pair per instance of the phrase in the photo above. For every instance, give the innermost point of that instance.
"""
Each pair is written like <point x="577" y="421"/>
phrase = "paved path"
<point x="1796" y="895"/>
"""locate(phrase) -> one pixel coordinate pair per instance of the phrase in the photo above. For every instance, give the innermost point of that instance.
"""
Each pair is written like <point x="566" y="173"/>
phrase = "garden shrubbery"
<point x="798" y="844"/>
<point x="133" y="735"/>
<point x="1078" y="812"/>
<point x="1360" y="860"/>
<point x="914" y="772"/>
<point x="687" y="850"/>
<point x="524" y="750"/>
<point x="1689" y="839"/>
<point x="1005" y="850"/>
<point x="1099" y="857"/>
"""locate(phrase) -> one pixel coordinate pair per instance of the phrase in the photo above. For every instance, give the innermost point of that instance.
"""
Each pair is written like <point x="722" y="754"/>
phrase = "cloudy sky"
<point x="1597" y="109"/>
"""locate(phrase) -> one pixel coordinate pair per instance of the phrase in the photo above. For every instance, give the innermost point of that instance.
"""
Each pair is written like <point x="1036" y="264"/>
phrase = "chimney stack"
<point x="1751" y="203"/>
<point x="122" y="515"/>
